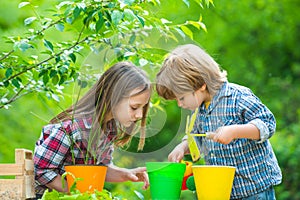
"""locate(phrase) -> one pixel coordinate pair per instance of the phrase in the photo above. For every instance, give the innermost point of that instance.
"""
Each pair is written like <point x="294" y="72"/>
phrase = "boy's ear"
<point x="203" y="87"/>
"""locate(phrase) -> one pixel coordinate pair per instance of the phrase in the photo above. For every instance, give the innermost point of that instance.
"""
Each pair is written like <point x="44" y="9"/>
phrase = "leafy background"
<point x="256" y="41"/>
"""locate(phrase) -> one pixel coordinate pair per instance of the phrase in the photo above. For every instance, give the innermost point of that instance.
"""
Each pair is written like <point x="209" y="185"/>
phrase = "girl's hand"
<point x="178" y="152"/>
<point x="138" y="174"/>
<point x="117" y="174"/>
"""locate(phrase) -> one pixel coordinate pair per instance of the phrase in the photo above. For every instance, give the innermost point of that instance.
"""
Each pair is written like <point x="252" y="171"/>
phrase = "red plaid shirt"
<point x="58" y="142"/>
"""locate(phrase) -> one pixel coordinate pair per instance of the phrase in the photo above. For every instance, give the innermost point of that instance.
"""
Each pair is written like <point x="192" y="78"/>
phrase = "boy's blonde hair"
<point x="186" y="69"/>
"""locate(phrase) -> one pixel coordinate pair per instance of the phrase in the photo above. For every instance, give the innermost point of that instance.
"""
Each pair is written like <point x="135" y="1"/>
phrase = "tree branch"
<point x="30" y="38"/>
<point x="42" y="62"/>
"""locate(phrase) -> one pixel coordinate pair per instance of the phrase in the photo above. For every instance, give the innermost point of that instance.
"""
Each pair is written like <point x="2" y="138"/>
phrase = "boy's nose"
<point x="179" y="103"/>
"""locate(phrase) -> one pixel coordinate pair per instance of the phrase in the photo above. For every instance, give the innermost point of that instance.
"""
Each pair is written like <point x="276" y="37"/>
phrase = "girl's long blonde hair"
<point x="115" y="84"/>
<point x="186" y="69"/>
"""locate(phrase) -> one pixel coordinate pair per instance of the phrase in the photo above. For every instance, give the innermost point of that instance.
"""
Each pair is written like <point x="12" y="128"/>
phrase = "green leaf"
<point x="55" y="79"/>
<point x="63" y="3"/>
<point x="72" y="73"/>
<point x="52" y="73"/>
<point x="99" y="22"/>
<point x="187" y="31"/>
<point x="22" y="45"/>
<point x="73" y="57"/>
<point x="82" y="84"/>
<point x="129" y="15"/>
<point x="142" y="21"/>
<point x="8" y="72"/>
<point x="29" y="20"/>
<point x="132" y="39"/>
<point x="6" y="83"/>
<point x="69" y="20"/>
<point x="57" y="59"/>
<point x="128" y="2"/>
<point x="187" y="2"/>
<point x="22" y="4"/>
<point x="202" y="25"/>
<point x="143" y="62"/>
<point x="195" y="24"/>
<point x="180" y="32"/>
<point x="48" y="45"/>
<point x="16" y="83"/>
<point x="62" y="79"/>
<point x="140" y="196"/>
<point x="55" y="97"/>
<point x="45" y="78"/>
<point x="63" y="69"/>
<point x="50" y="195"/>
<point x="89" y="18"/>
<point x="76" y="12"/>
<point x="60" y="27"/>
<point x="44" y="71"/>
<point x="116" y="17"/>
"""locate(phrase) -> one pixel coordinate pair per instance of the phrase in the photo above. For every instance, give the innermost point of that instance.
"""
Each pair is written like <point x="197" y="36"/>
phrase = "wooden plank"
<point x="11" y="189"/>
<point x="22" y="187"/>
<point x="29" y="186"/>
<point x="29" y="166"/>
<point x="21" y="155"/>
<point x="11" y="169"/>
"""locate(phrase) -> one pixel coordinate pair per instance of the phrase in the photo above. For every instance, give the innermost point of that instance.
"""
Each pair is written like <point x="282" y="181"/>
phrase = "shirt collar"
<point x="224" y="91"/>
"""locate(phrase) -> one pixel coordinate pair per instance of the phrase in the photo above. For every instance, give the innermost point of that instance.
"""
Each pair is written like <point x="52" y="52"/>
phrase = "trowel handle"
<point x="208" y="135"/>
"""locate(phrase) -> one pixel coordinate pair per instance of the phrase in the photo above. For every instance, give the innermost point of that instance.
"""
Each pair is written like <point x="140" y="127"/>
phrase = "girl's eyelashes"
<point x="133" y="108"/>
<point x="181" y="98"/>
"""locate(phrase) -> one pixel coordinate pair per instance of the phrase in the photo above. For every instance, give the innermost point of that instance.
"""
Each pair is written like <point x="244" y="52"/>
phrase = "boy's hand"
<point x="223" y="135"/>
<point x="178" y="152"/>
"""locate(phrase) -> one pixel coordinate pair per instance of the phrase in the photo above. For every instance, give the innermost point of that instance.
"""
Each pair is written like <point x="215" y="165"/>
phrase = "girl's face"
<point x="129" y="110"/>
<point x="193" y="100"/>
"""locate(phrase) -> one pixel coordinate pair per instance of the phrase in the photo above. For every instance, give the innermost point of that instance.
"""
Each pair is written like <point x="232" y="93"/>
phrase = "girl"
<point x="241" y="122"/>
<point x="86" y="132"/>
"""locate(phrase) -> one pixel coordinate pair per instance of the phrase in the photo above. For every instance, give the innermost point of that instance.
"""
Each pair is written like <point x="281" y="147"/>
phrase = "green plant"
<point x="76" y="194"/>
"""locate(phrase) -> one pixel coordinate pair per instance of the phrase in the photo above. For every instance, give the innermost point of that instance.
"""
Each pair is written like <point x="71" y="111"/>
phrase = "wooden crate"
<point x="22" y="187"/>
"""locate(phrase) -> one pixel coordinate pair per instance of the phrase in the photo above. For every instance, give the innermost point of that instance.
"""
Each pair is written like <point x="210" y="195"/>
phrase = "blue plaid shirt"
<point x="256" y="165"/>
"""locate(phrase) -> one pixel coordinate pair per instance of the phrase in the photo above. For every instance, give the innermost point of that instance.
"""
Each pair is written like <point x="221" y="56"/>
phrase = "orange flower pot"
<point x="93" y="177"/>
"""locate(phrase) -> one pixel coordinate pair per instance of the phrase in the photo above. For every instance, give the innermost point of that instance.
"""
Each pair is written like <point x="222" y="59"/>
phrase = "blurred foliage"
<point x="256" y="41"/>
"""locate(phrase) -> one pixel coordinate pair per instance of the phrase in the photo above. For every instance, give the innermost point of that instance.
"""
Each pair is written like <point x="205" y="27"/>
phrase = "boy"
<point x="241" y="122"/>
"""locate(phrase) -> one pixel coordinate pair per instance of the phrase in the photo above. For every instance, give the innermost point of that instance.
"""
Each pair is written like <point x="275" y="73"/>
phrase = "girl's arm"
<point x="57" y="185"/>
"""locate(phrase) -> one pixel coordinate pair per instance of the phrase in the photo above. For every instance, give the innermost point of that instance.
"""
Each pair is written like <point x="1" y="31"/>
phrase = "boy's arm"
<point x="226" y="134"/>
<point x="255" y="113"/>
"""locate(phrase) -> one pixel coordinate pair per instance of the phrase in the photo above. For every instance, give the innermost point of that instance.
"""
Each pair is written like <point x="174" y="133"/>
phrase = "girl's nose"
<point x="139" y="113"/>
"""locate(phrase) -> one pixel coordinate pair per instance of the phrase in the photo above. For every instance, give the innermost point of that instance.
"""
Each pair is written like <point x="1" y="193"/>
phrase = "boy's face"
<point x="193" y="100"/>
